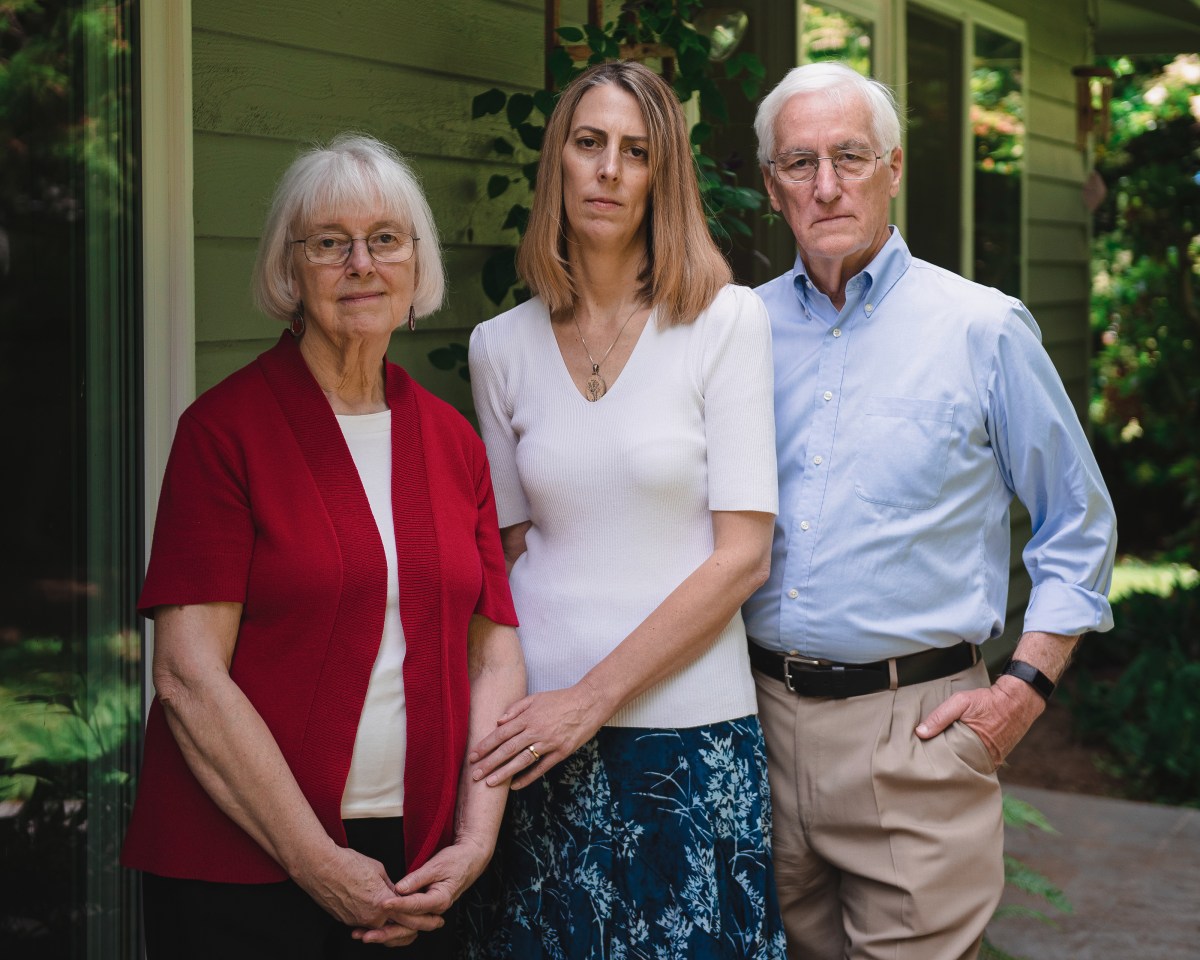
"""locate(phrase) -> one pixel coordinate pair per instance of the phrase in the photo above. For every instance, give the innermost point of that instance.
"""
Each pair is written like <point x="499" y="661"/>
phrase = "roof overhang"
<point x="1147" y="26"/>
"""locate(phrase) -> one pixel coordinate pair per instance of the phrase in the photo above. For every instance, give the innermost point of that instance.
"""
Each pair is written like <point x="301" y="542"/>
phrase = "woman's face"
<point x="606" y="169"/>
<point x="360" y="299"/>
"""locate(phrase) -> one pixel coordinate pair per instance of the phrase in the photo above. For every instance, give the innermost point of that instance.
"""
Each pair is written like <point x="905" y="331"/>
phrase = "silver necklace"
<point x="596" y="387"/>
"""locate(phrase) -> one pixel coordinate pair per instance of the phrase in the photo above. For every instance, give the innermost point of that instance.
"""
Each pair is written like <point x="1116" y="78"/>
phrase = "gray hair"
<point x="353" y="172"/>
<point x="836" y="80"/>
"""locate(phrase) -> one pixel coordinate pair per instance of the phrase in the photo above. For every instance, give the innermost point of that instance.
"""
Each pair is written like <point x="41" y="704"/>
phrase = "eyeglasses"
<point x="333" y="249"/>
<point x="847" y="164"/>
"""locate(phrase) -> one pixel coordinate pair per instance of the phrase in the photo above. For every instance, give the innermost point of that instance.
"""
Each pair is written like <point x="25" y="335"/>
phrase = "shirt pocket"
<point x="902" y="451"/>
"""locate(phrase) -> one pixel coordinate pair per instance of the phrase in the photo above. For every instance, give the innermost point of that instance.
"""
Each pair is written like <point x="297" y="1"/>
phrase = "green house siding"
<point x="270" y="77"/>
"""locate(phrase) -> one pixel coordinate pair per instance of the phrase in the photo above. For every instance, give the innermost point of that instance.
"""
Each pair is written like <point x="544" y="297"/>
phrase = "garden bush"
<point x="1137" y="691"/>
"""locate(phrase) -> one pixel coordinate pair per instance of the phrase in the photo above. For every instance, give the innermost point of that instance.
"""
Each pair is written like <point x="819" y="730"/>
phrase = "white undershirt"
<point x="375" y="786"/>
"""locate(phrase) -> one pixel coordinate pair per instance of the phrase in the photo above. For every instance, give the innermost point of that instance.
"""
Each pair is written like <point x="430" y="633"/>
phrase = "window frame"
<point x="971" y="13"/>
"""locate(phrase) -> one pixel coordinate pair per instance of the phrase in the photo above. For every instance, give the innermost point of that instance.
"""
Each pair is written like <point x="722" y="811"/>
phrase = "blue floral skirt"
<point x="645" y="843"/>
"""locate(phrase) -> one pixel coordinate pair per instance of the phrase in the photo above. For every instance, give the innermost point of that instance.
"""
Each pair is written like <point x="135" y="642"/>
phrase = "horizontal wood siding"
<point x="1058" y="272"/>
<point x="272" y="76"/>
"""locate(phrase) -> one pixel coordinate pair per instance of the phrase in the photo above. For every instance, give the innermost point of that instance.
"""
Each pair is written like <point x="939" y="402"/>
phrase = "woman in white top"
<point x="627" y="412"/>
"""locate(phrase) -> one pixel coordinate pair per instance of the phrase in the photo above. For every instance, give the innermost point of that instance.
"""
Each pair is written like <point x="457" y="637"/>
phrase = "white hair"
<point x="836" y="80"/>
<point x="354" y="172"/>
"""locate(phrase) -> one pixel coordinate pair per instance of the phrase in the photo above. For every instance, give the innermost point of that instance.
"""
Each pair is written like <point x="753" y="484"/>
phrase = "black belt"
<point x="811" y="677"/>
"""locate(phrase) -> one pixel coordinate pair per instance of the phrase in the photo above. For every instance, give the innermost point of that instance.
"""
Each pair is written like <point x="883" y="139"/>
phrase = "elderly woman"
<point x="627" y="411"/>
<point x="329" y="596"/>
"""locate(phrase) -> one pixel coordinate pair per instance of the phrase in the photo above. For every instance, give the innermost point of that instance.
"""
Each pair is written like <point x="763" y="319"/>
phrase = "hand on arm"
<point x="497" y="674"/>
<point x="1002" y="713"/>
<point x="512" y="539"/>
<point x="232" y="753"/>
<point x="557" y="722"/>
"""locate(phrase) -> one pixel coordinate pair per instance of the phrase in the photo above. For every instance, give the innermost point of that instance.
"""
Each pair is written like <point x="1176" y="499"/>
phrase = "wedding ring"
<point x="536" y="756"/>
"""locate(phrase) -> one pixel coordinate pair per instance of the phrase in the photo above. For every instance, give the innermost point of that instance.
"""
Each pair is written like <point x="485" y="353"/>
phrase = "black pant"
<point x="200" y="920"/>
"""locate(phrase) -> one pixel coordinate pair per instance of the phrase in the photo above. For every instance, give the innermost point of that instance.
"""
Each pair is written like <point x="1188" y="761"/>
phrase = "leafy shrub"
<point x="1020" y="876"/>
<point x="1137" y="690"/>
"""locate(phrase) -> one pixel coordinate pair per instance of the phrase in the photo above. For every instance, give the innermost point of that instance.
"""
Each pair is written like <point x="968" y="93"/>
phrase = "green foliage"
<point x="64" y="742"/>
<point x="831" y="34"/>
<point x="662" y="22"/>
<point x="1146" y="259"/>
<point x="1137" y="690"/>
<point x="1020" y="876"/>
<point x="52" y="718"/>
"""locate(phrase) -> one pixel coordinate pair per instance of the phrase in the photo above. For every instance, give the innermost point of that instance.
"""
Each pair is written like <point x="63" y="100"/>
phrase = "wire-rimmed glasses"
<point x="847" y="164"/>
<point x="333" y="249"/>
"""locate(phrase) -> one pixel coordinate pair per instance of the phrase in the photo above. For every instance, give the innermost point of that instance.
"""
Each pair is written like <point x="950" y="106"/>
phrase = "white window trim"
<point x="168" y="265"/>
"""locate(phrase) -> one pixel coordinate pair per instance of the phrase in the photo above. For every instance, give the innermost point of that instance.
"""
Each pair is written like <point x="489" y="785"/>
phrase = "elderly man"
<point x="911" y="405"/>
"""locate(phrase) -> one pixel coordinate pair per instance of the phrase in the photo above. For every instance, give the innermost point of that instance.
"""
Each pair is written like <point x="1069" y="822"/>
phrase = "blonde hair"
<point x="353" y="172"/>
<point x="683" y="270"/>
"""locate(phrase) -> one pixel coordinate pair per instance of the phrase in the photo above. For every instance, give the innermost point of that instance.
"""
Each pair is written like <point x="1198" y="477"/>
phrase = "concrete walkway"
<point x="1131" y="871"/>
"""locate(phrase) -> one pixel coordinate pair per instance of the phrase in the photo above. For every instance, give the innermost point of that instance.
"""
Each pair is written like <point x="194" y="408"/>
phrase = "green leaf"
<point x="520" y="106"/>
<point x="737" y="226"/>
<point x="518" y="218"/>
<point x="596" y="38"/>
<point x="530" y="171"/>
<point x="989" y="951"/>
<point x="1018" y="813"/>
<point x="701" y="132"/>
<point x="443" y="358"/>
<point x="750" y="88"/>
<point x="571" y="34"/>
<point x="531" y="135"/>
<point x="561" y="66"/>
<point x="488" y="102"/>
<point x="499" y="274"/>
<point x="1020" y="911"/>
<point x="502" y="147"/>
<point x="545" y="100"/>
<point x="496" y="185"/>
<point x="1024" y="878"/>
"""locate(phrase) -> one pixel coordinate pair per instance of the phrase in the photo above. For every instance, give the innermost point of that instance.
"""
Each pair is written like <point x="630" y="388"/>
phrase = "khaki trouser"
<point x="886" y="847"/>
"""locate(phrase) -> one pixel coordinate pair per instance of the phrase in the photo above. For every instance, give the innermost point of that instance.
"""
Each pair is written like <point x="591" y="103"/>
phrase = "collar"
<point x="879" y="276"/>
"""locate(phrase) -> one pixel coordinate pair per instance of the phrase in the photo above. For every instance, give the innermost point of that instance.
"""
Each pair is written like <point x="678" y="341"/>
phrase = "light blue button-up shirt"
<point x="904" y="424"/>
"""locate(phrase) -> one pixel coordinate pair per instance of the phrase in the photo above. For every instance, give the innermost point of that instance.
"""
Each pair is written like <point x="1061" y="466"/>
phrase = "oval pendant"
<point x="596" y="387"/>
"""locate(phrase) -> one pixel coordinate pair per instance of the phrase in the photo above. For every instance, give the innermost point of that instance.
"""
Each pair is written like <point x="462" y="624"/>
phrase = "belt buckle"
<point x="789" y="659"/>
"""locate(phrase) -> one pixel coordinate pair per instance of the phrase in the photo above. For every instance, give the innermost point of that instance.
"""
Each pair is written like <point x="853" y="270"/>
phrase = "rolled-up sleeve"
<point x="1045" y="459"/>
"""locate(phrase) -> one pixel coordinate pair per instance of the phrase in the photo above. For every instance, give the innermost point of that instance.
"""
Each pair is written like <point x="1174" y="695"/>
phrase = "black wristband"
<point x="1031" y="675"/>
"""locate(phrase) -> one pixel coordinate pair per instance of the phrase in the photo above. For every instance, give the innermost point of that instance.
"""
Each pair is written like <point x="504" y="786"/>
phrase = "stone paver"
<point x="1131" y="871"/>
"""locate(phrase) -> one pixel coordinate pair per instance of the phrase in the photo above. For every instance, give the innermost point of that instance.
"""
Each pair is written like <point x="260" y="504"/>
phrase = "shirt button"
<point x="837" y="331"/>
<point x="804" y="524"/>
<point x="828" y="395"/>
<point x="869" y="307"/>
<point x="793" y="593"/>
<point x="818" y="461"/>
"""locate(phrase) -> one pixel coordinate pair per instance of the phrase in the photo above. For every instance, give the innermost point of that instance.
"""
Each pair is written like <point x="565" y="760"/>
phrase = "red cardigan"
<point x="262" y="505"/>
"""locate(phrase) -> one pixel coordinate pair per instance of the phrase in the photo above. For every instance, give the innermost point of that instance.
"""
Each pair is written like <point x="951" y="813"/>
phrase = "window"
<point x="70" y="671"/>
<point x="834" y="32"/>
<point x="965" y="147"/>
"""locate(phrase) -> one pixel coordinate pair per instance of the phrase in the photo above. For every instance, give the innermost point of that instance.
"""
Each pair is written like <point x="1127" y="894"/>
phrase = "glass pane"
<point x="70" y="691"/>
<point x="831" y="34"/>
<point x="933" y="161"/>
<point x="998" y="122"/>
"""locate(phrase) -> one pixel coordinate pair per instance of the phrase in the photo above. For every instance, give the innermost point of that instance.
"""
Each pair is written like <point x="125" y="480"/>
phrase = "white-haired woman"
<point x="329" y="595"/>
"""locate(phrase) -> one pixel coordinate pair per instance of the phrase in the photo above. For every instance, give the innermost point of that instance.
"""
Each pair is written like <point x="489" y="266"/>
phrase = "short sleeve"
<point x="495" y="424"/>
<point x="204" y="531"/>
<point x="495" y="599"/>
<point x="739" y="398"/>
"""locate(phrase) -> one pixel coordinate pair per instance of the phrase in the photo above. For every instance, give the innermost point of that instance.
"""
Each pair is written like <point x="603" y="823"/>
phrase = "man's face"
<point x="838" y="224"/>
